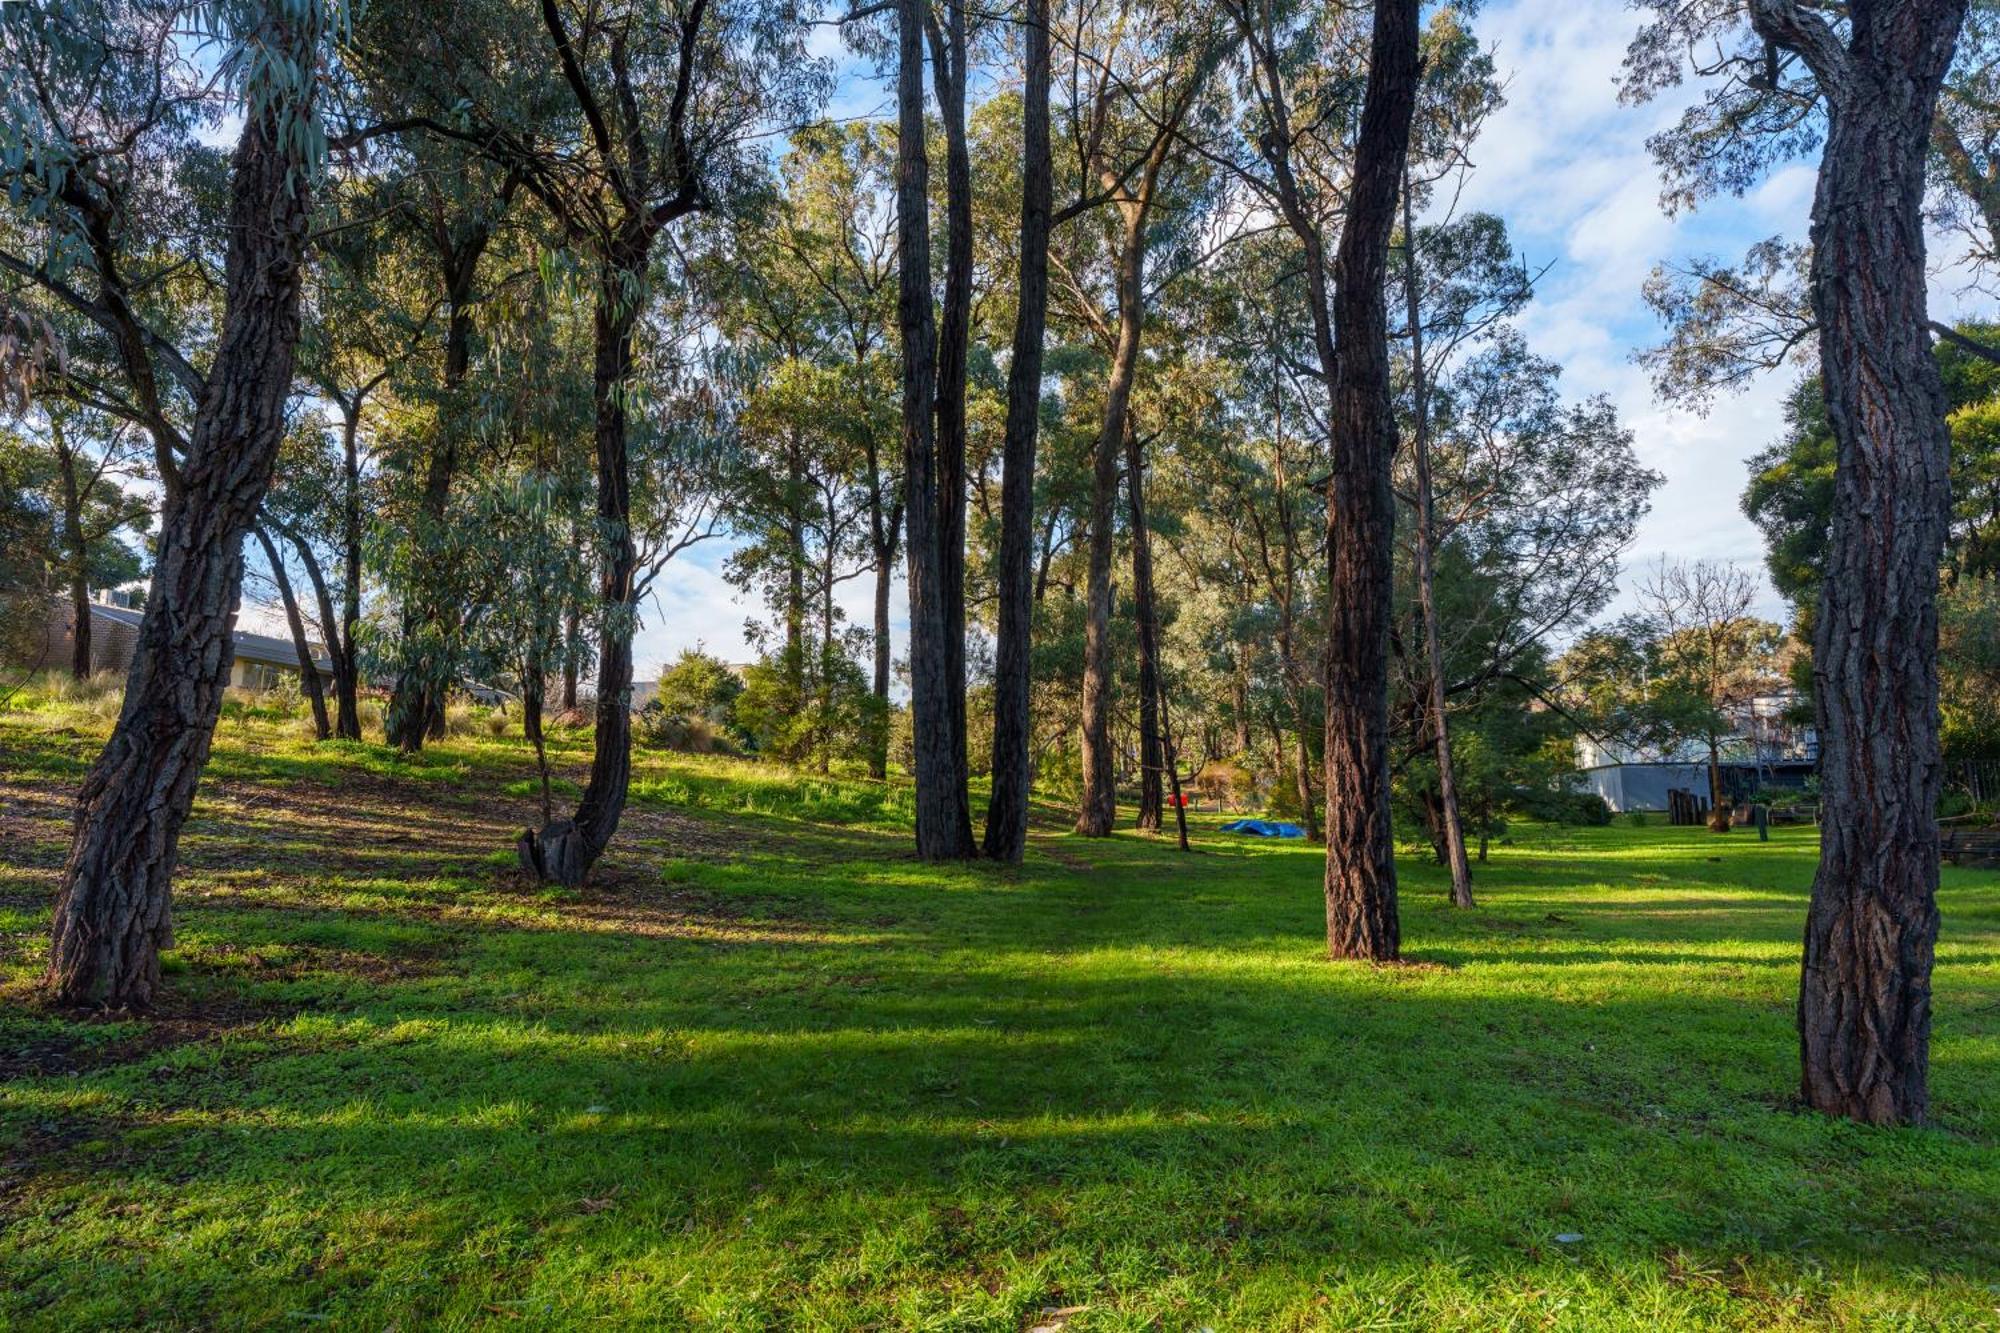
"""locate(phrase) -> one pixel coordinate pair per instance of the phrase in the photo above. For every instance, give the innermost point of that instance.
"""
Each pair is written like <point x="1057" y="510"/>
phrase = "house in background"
<point x="1765" y="749"/>
<point x="258" y="661"/>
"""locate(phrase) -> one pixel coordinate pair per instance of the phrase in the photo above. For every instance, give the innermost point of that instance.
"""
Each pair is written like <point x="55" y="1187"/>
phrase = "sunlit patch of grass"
<point x="796" y="1078"/>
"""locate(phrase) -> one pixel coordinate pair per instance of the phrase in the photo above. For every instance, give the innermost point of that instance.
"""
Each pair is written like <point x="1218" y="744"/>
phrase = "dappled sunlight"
<point x="767" y="1067"/>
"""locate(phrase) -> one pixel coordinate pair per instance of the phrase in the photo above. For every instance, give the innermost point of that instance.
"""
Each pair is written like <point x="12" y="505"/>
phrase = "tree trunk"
<point x="1151" y="753"/>
<point x="1450" y="826"/>
<point x="113" y="913"/>
<point x="1871" y="931"/>
<point x="1007" y="812"/>
<point x="954" y="343"/>
<point x="301" y="645"/>
<point x="1718" y="803"/>
<point x="944" y="820"/>
<point x="347" y="671"/>
<point x="878" y="740"/>
<point x="571" y="644"/>
<point x="1171" y="750"/>
<point x="1099" y="806"/>
<point x="1303" y="773"/>
<point x="341" y="656"/>
<point x="565" y="849"/>
<point x="1361" y="912"/>
<point x="76" y="559"/>
<point x="416" y="710"/>
<point x="795" y="561"/>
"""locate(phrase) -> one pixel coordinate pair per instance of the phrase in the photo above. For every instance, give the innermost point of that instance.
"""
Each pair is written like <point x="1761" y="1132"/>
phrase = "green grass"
<point x="770" y="1072"/>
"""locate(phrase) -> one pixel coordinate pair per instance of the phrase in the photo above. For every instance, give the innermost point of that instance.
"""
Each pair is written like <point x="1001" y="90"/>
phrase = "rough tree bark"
<point x="954" y="336"/>
<point x="1450" y="825"/>
<point x="1361" y="912"/>
<point x="113" y="912"/>
<point x="1151" y="752"/>
<point x="302" y="646"/>
<point x="1007" y="811"/>
<point x="944" y="819"/>
<point x="1871" y="931"/>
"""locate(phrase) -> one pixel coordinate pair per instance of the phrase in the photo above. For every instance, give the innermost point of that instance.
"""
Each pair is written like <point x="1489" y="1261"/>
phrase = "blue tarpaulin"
<point x="1263" y="828"/>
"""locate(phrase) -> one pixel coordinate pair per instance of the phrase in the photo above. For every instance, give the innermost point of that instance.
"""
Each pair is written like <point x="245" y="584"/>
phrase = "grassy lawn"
<point x="769" y="1072"/>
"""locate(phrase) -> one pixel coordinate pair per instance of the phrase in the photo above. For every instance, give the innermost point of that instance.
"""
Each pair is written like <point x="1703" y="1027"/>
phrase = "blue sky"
<point x="1567" y="167"/>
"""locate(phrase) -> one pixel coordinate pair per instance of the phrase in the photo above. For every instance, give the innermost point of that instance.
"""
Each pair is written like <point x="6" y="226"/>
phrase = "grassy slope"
<point x="770" y="1072"/>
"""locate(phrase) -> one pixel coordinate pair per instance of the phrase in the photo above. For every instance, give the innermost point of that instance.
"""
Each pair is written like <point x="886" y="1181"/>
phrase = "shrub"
<point x="660" y="729"/>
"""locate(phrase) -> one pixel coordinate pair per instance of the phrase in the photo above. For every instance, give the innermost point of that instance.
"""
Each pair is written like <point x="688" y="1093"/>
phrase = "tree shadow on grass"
<point x="1260" y="1122"/>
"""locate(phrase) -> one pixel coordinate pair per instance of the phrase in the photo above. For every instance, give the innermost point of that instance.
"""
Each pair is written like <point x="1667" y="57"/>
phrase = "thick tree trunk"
<point x="1361" y="911"/>
<point x="113" y="913"/>
<point x="1451" y="828"/>
<point x="565" y="849"/>
<point x="1007" y="813"/>
<point x="1865" y="994"/>
<point x="1151" y="753"/>
<point x="302" y="646"/>
<point x="954" y="344"/>
<point x="944" y="819"/>
<point x="1099" y="806"/>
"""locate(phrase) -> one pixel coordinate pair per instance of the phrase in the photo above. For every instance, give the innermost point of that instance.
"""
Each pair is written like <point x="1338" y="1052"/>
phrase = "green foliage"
<point x="811" y="719"/>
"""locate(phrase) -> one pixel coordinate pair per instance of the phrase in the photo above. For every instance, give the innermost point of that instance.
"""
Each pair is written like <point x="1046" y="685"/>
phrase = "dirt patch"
<point x="184" y="1016"/>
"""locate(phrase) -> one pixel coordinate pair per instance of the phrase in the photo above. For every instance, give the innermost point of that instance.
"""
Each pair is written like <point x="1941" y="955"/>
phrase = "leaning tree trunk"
<point x="1865" y="993"/>
<point x="1361" y="913"/>
<point x="1007" y="812"/>
<point x="1151" y="752"/>
<point x="301" y="645"/>
<point x="113" y="913"/>
<point x="1098" y="809"/>
<point x="565" y="849"/>
<point x="944" y="820"/>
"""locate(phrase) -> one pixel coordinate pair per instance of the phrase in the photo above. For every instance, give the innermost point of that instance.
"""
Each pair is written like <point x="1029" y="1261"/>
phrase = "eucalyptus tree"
<point x="451" y="216"/>
<point x="1862" y="84"/>
<point x="93" y="456"/>
<point x="94" y="100"/>
<point x="619" y="120"/>
<point x="1300" y="120"/>
<point x="837" y="229"/>
<point x="1147" y="66"/>
<point x="943" y="813"/>
<point x="1006" y="836"/>
<point x="1258" y="489"/>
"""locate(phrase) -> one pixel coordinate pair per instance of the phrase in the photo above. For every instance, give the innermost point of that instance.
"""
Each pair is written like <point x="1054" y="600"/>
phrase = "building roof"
<point x="246" y="646"/>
